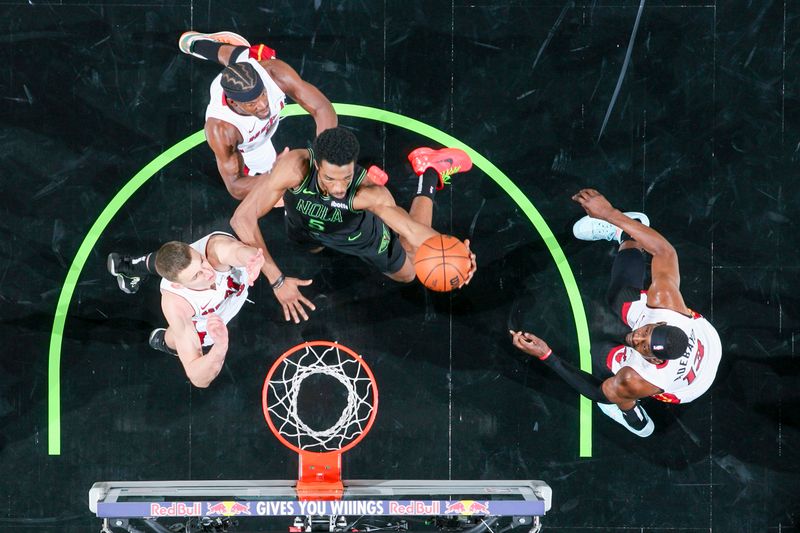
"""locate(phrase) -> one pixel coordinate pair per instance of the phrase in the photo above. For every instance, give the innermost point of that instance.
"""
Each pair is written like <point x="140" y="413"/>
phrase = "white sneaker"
<point x="188" y="38"/>
<point x="615" y="414"/>
<point x="594" y="229"/>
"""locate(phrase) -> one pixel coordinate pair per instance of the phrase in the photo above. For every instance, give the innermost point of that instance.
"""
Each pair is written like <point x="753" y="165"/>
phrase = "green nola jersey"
<point x="307" y="207"/>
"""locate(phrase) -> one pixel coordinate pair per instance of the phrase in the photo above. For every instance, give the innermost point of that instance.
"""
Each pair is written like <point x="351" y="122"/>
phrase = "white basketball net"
<point x="284" y="390"/>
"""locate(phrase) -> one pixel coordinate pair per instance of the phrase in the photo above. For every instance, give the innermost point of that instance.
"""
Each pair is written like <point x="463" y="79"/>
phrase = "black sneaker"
<point x="123" y="268"/>
<point x="157" y="341"/>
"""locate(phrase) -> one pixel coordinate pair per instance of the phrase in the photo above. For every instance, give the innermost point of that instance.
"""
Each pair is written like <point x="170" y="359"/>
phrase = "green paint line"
<point x="387" y="117"/>
<point x="74" y="272"/>
<point x="573" y="294"/>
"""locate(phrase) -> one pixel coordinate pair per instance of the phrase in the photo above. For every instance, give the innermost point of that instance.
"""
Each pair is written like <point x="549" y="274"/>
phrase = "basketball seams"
<point x="440" y="260"/>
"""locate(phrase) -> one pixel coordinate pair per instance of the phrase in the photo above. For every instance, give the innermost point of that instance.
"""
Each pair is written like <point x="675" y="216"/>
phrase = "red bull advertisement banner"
<point x="339" y="507"/>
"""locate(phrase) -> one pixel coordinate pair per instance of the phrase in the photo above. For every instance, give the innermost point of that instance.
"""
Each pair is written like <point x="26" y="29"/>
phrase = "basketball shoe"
<point x="594" y="229"/>
<point x="445" y="161"/>
<point x="188" y="38"/>
<point x="129" y="272"/>
<point x="635" y="420"/>
<point x="157" y="341"/>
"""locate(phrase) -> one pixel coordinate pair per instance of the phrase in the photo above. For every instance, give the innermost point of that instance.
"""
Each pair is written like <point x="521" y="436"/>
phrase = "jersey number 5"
<point x="318" y="225"/>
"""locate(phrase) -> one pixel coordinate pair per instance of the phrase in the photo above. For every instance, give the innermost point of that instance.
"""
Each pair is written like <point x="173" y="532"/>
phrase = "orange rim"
<point x="279" y="361"/>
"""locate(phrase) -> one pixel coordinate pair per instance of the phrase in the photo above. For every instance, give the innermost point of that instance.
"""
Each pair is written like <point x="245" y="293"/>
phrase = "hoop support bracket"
<point x="320" y="476"/>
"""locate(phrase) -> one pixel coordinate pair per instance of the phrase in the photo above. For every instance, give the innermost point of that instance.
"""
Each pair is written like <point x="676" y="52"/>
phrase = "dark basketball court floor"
<point x="685" y="110"/>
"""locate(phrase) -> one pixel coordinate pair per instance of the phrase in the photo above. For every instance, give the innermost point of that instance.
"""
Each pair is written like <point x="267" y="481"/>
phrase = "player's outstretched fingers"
<point x="293" y="312"/>
<point x="584" y="195"/>
<point x="473" y="264"/>
<point x="595" y="204"/>
<point x="299" y="312"/>
<point x="530" y="344"/>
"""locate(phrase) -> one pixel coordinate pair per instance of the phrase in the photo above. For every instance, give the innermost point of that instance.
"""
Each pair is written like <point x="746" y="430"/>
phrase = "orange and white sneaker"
<point x="188" y="38"/>
<point x="445" y="161"/>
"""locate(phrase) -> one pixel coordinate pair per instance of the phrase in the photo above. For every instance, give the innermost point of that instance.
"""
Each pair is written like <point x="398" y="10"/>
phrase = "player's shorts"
<point x="622" y="301"/>
<point x="260" y="160"/>
<point x="374" y="243"/>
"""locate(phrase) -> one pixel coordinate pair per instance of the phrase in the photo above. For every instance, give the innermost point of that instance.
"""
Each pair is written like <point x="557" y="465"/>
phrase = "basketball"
<point x="442" y="263"/>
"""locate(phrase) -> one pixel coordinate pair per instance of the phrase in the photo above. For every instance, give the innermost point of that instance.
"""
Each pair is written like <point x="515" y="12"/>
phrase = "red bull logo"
<point x="467" y="507"/>
<point x="175" y="509"/>
<point x="227" y="509"/>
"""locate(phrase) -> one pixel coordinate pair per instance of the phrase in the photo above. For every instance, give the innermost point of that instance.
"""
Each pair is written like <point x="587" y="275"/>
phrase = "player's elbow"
<point x="201" y="380"/>
<point x="237" y="192"/>
<point x="663" y="249"/>
<point x="241" y="224"/>
<point x="235" y="187"/>
<point x="382" y="198"/>
<point x="200" y="384"/>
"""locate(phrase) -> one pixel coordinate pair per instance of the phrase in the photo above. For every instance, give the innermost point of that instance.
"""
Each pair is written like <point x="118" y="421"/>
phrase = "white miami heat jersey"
<point x="225" y="299"/>
<point x="683" y="379"/>
<point x="256" y="148"/>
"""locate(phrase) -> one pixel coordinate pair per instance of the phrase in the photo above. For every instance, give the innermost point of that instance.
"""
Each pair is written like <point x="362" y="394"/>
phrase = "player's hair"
<point x="240" y="79"/>
<point x="172" y="259"/>
<point x="338" y="146"/>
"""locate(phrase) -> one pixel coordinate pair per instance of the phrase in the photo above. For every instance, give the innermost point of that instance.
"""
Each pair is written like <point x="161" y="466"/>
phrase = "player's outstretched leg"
<point x="434" y="169"/>
<point x="130" y="271"/>
<point x="222" y="47"/>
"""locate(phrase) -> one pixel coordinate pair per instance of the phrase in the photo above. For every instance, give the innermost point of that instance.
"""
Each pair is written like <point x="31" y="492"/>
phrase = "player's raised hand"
<point x="253" y="266"/>
<point x="530" y="344"/>
<point x="473" y="264"/>
<point x="217" y="328"/>
<point x="595" y="204"/>
<point x="292" y="300"/>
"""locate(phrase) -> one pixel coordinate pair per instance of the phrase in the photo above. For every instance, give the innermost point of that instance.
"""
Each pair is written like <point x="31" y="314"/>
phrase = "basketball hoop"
<point x="320" y="448"/>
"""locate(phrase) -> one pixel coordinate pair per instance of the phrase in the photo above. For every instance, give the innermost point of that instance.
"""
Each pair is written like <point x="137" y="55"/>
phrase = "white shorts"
<point x="260" y="160"/>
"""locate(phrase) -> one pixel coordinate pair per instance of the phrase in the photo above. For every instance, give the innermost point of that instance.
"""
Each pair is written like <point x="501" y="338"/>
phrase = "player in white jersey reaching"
<point x="204" y="286"/>
<point x="242" y="116"/>
<point x="672" y="352"/>
<point x="246" y="99"/>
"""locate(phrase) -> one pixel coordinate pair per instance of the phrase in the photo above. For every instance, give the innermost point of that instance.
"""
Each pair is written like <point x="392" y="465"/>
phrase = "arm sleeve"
<point x="583" y="382"/>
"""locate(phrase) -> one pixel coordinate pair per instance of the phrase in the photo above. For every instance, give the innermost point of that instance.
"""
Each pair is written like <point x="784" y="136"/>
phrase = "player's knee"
<point x="407" y="277"/>
<point x="403" y="275"/>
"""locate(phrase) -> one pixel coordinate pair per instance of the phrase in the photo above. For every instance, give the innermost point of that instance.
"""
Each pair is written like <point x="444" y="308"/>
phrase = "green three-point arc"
<point x="370" y="113"/>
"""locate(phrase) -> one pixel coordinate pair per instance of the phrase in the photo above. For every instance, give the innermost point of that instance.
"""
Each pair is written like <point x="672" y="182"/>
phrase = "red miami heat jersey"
<point x="256" y="148"/>
<point x="683" y="379"/>
<point x="225" y="299"/>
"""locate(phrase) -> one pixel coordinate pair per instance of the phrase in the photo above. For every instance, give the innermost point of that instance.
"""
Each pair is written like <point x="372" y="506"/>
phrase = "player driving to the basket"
<point x="329" y="204"/>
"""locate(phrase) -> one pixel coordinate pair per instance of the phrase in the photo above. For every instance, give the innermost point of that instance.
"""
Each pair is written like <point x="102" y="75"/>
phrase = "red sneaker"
<point x="445" y="161"/>
<point x="377" y="175"/>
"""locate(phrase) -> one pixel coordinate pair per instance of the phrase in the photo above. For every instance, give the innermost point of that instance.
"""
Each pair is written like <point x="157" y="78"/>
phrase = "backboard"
<point x="364" y="505"/>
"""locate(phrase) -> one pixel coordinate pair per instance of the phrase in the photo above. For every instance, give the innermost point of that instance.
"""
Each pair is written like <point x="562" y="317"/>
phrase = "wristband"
<point x="278" y="282"/>
<point x="548" y="354"/>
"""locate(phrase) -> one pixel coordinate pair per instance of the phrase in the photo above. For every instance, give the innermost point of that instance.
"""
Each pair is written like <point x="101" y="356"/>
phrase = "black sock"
<point x="210" y="50"/>
<point x="144" y="265"/>
<point x="426" y="186"/>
